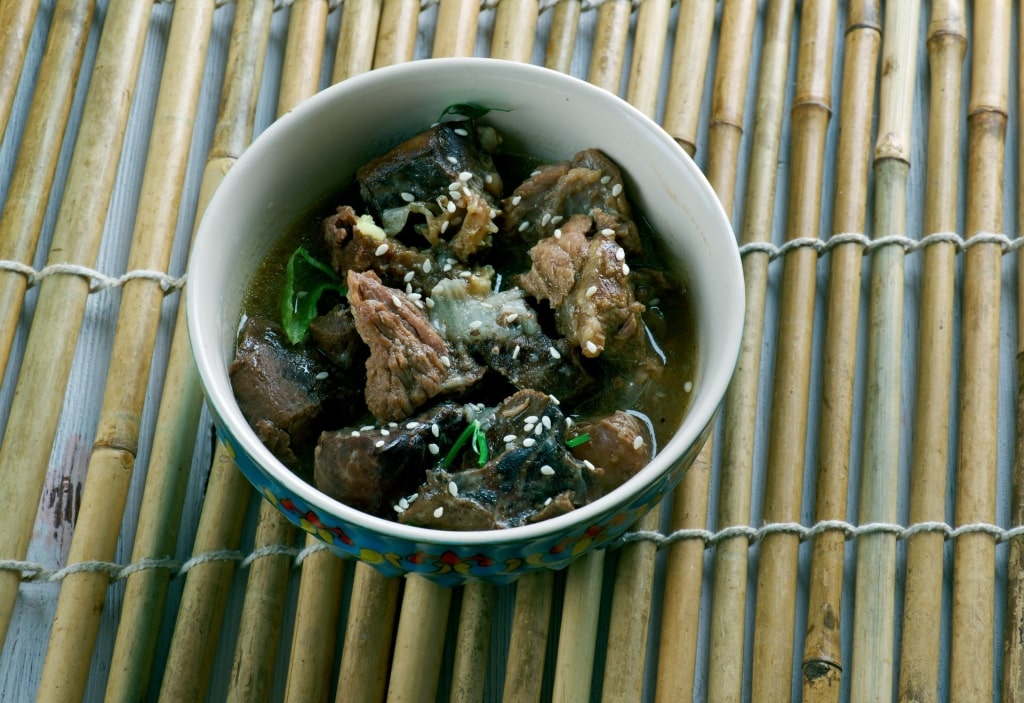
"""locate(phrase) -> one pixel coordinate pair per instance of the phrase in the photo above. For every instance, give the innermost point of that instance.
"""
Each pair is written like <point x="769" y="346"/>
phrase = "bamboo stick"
<point x="357" y="38"/>
<point x="633" y="590"/>
<point x="873" y="652"/>
<point x="577" y="639"/>
<point x="416" y="663"/>
<point x="777" y="564"/>
<point x="515" y="26"/>
<point x="822" y="656"/>
<point x="112" y="460"/>
<point x="189" y="664"/>
<point x="922" y="603"/>
<point x="531" y="620"/>
<point x="455" y="29"/>
<point x="611" y="35"/>
<point x="21" y="221"/>
<point x="396" y="35"/>
<point x="367" y="649"/>
<point x="974" y="554"/>
<point x="652" y="21"/>
<point x="694" y="29"/>
<point x="61" y="301"/>
<point x="565" y="20"/>
<point x="472" y="643"/>
<point x="16" y="20"/>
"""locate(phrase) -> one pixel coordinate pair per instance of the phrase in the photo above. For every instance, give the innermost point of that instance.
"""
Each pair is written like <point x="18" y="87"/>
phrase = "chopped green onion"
<point x="306" y="280"/>
<point x="577" y="440"/>
<point x="481" y="444"/>
<point x="470" y="431"/>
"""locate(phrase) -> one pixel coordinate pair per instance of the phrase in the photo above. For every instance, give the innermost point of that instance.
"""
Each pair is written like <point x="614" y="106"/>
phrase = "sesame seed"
<point x="452" y="160"/>
<point x="546" y="421"/>
<point x="515" y="352"/>
<point x="545" y="219"/>
<point x="446" y="268"/>
<point x="528" y="427"/>
<point x="322" y="375"/>
<point x="554" y="353"/>
<point x="446" y="362"/>
<point x="412" y="498"/>
<point x="529" y="442"/>
<point x="415" y="297"/>
<point x="381" y="250"/>
<point x="399" y="509"/>
<point x="516" y="199"/>
<point x="461" y="132"/>
<point x="411" y="425"/>
<point x="465" y="176"/>
<point x="638" y="442"/>
<point x="620" y="254"/>
<point x="557" y="234"/>
<point x="409" y="276"/>
<point x="535" y="173"/>
<point x="512" y="317"/>
<point x="547" y="470"/>
<point x="395" y="299"/>
<point x="453" y="488"/>
<point x="367" y="428"/>
<point x="426" y="266"/>
<point x="590" y="291"/>
<point x="557" y="219"/>
<point x="589" y="464"/>
<point x="616" y="190"/>
<point x="607" y="232"/>
<point x="439" y="512"/>
<point x="385" y="432"/>
<point x="466" y="274"/>
<point x="555" y="400"/>
<point x="454" y="185"/>
<point x="591" y="347"/>
<point x="523" y="226"/>
<point x="488" y="178"/>
<point x="433" y="449"/>
<point x="444" y="228"/>
<point x="568" y="421"/>
<point x="475" y="325"/>
<point x="687" y="387"/>
<point x="435" y="429"/>
<point x="539" y="430"/>
<point x="508" y="438"/>
<point x="625" y="269"/>
<point x="532" y="419"/>
<point x="408" y="289"/>
<point x="605" y="180"/>
<point x="379" y="443"/>
<point x="403" y="503"/>
<point x="408" y="197"/>
<point x="393" y="425"/>
<point x="355" y="433"/>
<point x="451" y="206"/>
<point x="429" y="302"/>
<point x="547" y="501"/>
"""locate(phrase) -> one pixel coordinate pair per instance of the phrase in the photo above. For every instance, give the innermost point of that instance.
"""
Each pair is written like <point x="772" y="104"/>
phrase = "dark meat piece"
<point x="409" y="363"/>
<point x="398" y="265"/>
<point x="589" y="182"/>
<point x="528" y="363"/>
<point x="619" y="446"/>
<point x="372" y="468"/>
<point x="440" y="506"/>
<point x="425" y="165"/>
<point x="281" y="390"/>
<point x="530" y="468"/>
<point x="335" y="335"/>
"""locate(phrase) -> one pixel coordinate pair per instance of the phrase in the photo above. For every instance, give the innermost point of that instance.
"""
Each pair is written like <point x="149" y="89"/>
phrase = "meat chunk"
<point x="589" y="181"/>
<point x="335" y="335"/>
<point x="619" y="446"/>
<point x="558" y="261"/>
<point x="281" y="390"/>
<point x="410" y="362"/>
<point x="372" y="467"/>
<point x="537" y="362"/>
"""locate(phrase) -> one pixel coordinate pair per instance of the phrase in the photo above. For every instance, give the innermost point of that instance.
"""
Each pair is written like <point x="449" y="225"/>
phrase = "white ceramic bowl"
<point x="316" y="148"/>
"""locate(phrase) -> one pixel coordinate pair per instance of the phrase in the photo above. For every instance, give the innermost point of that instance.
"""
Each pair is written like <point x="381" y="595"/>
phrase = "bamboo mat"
<point x="851" y="532"/>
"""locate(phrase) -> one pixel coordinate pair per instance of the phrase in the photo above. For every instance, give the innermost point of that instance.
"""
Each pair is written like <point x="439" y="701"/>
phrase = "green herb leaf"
<point x="470" y="111"/>
<point x="306" y="280"/>
<point x="577" y="440"/>
<point x="471" y="431"/>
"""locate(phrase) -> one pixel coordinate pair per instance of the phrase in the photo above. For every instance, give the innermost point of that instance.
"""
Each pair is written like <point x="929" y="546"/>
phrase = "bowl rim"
<point x="718" y="372"/>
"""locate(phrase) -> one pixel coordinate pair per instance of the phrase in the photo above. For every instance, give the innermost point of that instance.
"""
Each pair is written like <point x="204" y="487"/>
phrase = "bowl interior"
<point x="315" y="149"/>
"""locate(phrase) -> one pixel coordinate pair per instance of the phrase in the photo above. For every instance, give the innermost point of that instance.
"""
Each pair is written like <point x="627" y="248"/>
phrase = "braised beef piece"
<point x="619" y="446"/>
<point x="558" y="261"/>
<point x="370" y="468"/>
<point x="281" y="390"/>
<point x="398" y="265"/>
<point x="335" y="335"/>
<point x="409" y="363"/>
<point x="425" y="165"/>
<point x="589" y="181"/>
<point x="530" y="469"/>
<point x="527" y="362"/>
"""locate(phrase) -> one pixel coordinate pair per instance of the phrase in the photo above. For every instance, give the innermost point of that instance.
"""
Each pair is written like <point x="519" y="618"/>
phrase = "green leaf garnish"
<point x="470" y="111"/>
<point x="470" y="431"/>
<point x="306" y="280"/>
<point x="577" y="440"/>
<point x="481" y="445"/>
